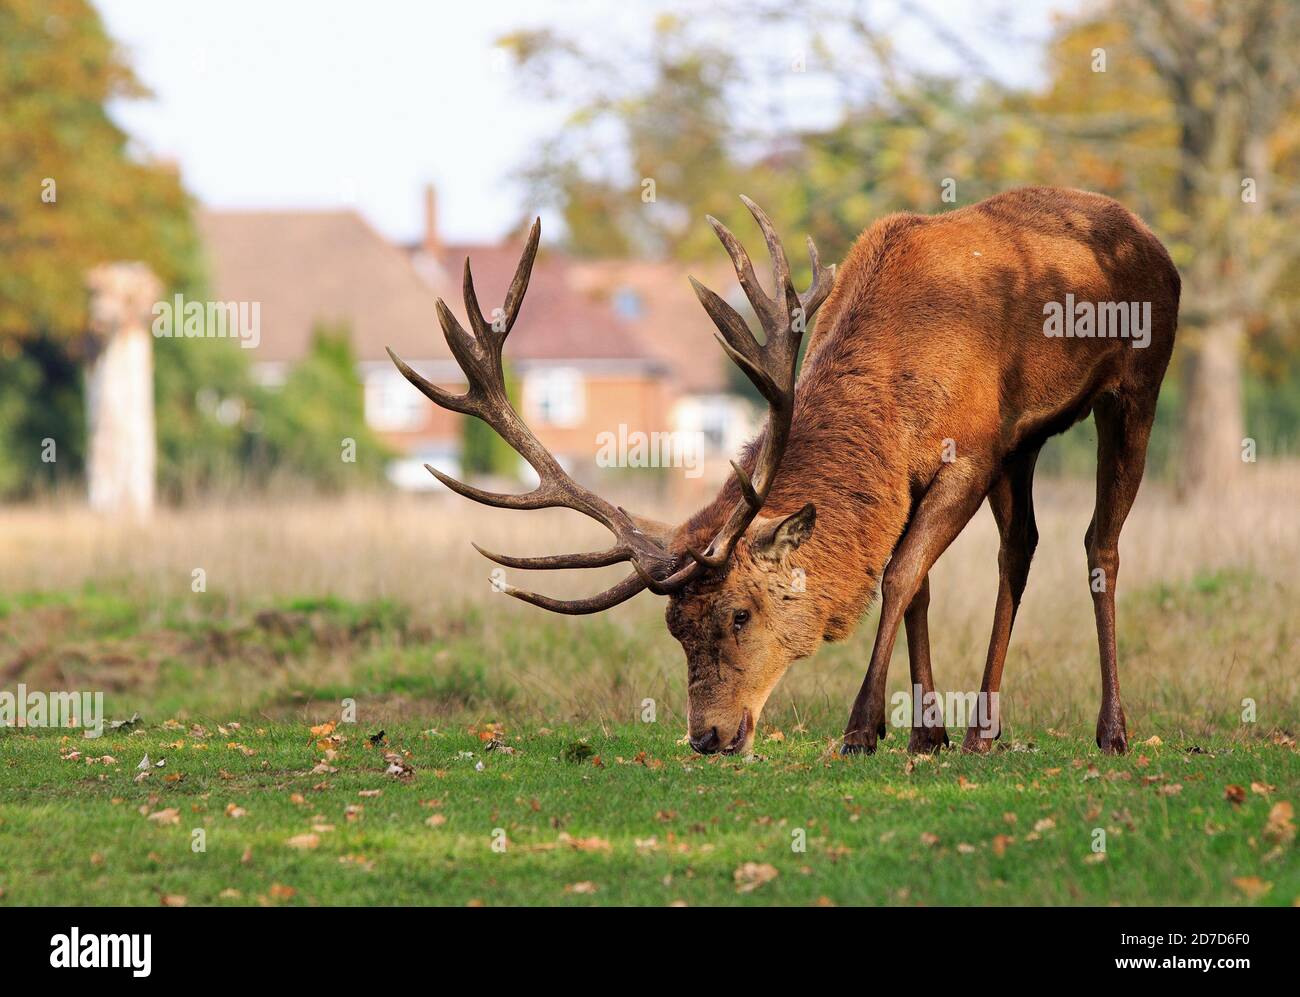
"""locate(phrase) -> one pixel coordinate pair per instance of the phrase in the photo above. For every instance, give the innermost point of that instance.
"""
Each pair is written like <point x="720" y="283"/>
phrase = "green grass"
<point x="648" y="823"/>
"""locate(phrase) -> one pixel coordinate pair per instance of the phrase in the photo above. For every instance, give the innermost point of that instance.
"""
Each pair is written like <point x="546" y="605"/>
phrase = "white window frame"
<point x="555" y="396"/>
<point x="392" y="404"/>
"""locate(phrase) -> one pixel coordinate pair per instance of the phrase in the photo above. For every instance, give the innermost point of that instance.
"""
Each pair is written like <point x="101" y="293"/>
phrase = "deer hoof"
<point x="976" y="742"/>
<point x="927" y="740"/>
<point x="1112" y="741"/>
<point x="857" y="747"/>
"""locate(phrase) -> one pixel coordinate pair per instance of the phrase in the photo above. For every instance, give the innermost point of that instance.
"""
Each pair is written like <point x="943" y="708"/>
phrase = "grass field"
<point x="532" y="776"/>
<point x="628" y="816"/>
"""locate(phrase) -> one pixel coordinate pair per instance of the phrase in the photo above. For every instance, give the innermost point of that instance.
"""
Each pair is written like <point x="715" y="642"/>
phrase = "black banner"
<point x="141" y="946"/>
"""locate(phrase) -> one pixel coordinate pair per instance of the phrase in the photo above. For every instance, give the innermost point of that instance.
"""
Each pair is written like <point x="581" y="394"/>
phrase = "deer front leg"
<point x="927" y="737"/>
<point x="946" y="507"/>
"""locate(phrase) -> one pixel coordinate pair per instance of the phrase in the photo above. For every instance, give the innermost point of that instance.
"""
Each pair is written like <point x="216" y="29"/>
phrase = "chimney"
<point x="432" y="244"/>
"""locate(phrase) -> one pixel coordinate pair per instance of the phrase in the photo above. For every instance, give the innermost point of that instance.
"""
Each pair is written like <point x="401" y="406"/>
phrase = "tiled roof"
<point x="557" y="321"/>
<point x="670" y="321"/>
<point x="310" y="266"/>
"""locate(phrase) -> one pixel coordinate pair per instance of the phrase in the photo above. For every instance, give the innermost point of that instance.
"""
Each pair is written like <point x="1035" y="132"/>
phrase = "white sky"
<point x="361" y="102"/>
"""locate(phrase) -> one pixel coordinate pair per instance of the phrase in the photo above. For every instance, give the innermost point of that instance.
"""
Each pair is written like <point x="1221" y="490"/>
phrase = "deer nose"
<point x="707" y="744"/>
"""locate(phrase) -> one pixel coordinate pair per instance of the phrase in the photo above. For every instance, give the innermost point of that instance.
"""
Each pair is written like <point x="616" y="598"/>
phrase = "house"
<point x="601" y="350"/>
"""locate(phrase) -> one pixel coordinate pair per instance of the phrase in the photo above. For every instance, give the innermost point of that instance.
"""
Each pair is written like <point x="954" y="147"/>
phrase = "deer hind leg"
<point x="944" y="509"/>
<point x="1012" y="500"/>
<point x="928" y="736"/>
<point x="1123" y="429"/>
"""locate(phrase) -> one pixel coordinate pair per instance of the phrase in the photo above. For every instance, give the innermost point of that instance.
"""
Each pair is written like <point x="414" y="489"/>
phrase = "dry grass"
<point x="1207" y="599"/>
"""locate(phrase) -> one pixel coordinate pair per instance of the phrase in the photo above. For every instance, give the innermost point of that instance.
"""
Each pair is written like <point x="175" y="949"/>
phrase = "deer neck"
<point x="845" y="455"/>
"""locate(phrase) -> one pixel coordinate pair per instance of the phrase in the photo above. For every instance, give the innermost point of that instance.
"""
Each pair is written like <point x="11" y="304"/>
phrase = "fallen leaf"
<point x="752" y="875"/>
<point x="1280" y="826"/>
<point x="586" y="886"/>
<point x="173" y="900"/>
<point x="1252" y="886"/>
<point x="1234" y="794"/>
<point x="303" y="841"/>
<point x="168" y="816"/>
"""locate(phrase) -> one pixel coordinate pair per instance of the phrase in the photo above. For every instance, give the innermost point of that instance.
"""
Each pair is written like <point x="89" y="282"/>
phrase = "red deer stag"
<point x="950" y="349"/>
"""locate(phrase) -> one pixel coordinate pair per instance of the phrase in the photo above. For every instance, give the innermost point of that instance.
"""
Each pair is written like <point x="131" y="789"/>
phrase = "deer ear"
<point x="775" y="538"/>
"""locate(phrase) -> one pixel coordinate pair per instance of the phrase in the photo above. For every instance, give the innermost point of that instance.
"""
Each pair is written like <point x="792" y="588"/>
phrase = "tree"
<point x="75" y="196"/>
<point x="646" y="151"/>
<point x="1188" y="119"/>
<point x="1230" y="72"/>
<point x="314" y="428"/>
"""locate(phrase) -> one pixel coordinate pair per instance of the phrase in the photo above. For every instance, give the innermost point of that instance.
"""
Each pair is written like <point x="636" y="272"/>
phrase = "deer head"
<point x="734" y="604"/>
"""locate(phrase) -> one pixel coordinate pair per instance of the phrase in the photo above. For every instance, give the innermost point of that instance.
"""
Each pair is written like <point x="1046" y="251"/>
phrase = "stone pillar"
<point x="121" y="448"/>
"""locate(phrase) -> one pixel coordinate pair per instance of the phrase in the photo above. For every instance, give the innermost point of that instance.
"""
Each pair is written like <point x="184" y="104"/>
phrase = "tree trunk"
<point x="1213" y="424"/>
<point x="121" y="449"/>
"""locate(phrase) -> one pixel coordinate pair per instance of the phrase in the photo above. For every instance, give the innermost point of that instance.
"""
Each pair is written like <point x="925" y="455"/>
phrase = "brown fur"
<point x="934" y="331"/>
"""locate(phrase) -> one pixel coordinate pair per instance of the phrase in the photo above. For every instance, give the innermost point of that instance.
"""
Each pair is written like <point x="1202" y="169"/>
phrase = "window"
<point x="715" y="421"/>
<point x="555" y="396"/>
<point x="628" y="303"/>
<point x="393" y="404"/>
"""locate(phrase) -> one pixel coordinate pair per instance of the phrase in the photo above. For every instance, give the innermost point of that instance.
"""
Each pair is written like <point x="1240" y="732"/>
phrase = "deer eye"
<point x="739" y="619"/>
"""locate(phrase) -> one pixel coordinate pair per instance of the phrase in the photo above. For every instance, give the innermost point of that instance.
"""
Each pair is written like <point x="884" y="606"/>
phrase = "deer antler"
<point x="770" y="366"/>
<point x="479" y="357"/>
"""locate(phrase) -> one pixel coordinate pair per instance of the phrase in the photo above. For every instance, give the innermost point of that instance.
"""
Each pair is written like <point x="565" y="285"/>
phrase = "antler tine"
<point x="538" y="498"/>
<point x="479" y="357"/>
<point x="764" y="307"/>
<point x="523" y="272"/>
<point x="482" y="328"/>
<point x="735" y="338"/>
<point x="823" y="279"/>
<point x="611" y="597"/>
<point x="784" y="287"/>
<point x="594" y="559"/>
<point x="435" y="394"/>
<point x="462" y="346"/>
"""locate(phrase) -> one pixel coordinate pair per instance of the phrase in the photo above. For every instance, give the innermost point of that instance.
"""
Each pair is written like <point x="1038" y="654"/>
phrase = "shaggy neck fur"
<point x="845" y="455"/>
